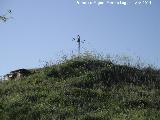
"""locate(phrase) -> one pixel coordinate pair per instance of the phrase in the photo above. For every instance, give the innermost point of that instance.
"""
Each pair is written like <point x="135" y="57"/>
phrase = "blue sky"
<point x="43" y="30"/>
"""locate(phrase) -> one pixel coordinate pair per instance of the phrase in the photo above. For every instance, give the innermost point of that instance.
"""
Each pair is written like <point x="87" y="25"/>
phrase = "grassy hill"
<point x="84" y="88"/>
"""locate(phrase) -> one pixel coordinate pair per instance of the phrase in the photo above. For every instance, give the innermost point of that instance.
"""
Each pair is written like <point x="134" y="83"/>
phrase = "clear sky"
<point x="43" y="29"/>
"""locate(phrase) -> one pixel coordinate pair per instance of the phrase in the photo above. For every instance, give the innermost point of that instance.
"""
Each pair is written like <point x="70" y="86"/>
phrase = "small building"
<point x="7" y="77"/>
<point x="17" y="74"/>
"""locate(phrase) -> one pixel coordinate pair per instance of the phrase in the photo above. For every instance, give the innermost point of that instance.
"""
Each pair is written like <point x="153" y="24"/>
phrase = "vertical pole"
<point x="79" y="45"/>
<point x="79" y="48"/>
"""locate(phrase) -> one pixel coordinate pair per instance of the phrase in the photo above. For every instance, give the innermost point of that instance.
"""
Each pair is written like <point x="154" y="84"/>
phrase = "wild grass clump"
<point x="83" y="87"/>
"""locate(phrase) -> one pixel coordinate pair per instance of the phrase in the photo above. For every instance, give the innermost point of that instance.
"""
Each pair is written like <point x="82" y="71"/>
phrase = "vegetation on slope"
<point x="83" y="88"/>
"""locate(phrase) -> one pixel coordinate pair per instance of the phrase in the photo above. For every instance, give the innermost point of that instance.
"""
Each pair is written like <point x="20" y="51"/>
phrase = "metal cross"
<point x="78" y="40"/>
<point x="4" y="17"/>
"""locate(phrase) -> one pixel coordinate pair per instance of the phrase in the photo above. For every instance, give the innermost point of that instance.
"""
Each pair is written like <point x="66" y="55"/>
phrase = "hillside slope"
<point x="83" y="89"/>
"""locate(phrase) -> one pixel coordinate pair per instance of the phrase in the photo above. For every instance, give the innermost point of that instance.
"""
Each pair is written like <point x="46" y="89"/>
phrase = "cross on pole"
<point x="78" y="40"/>
<point x="4" y="17"/>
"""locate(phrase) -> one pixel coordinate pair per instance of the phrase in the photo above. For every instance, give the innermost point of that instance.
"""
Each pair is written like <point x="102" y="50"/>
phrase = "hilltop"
<point x="83" y="88"/>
